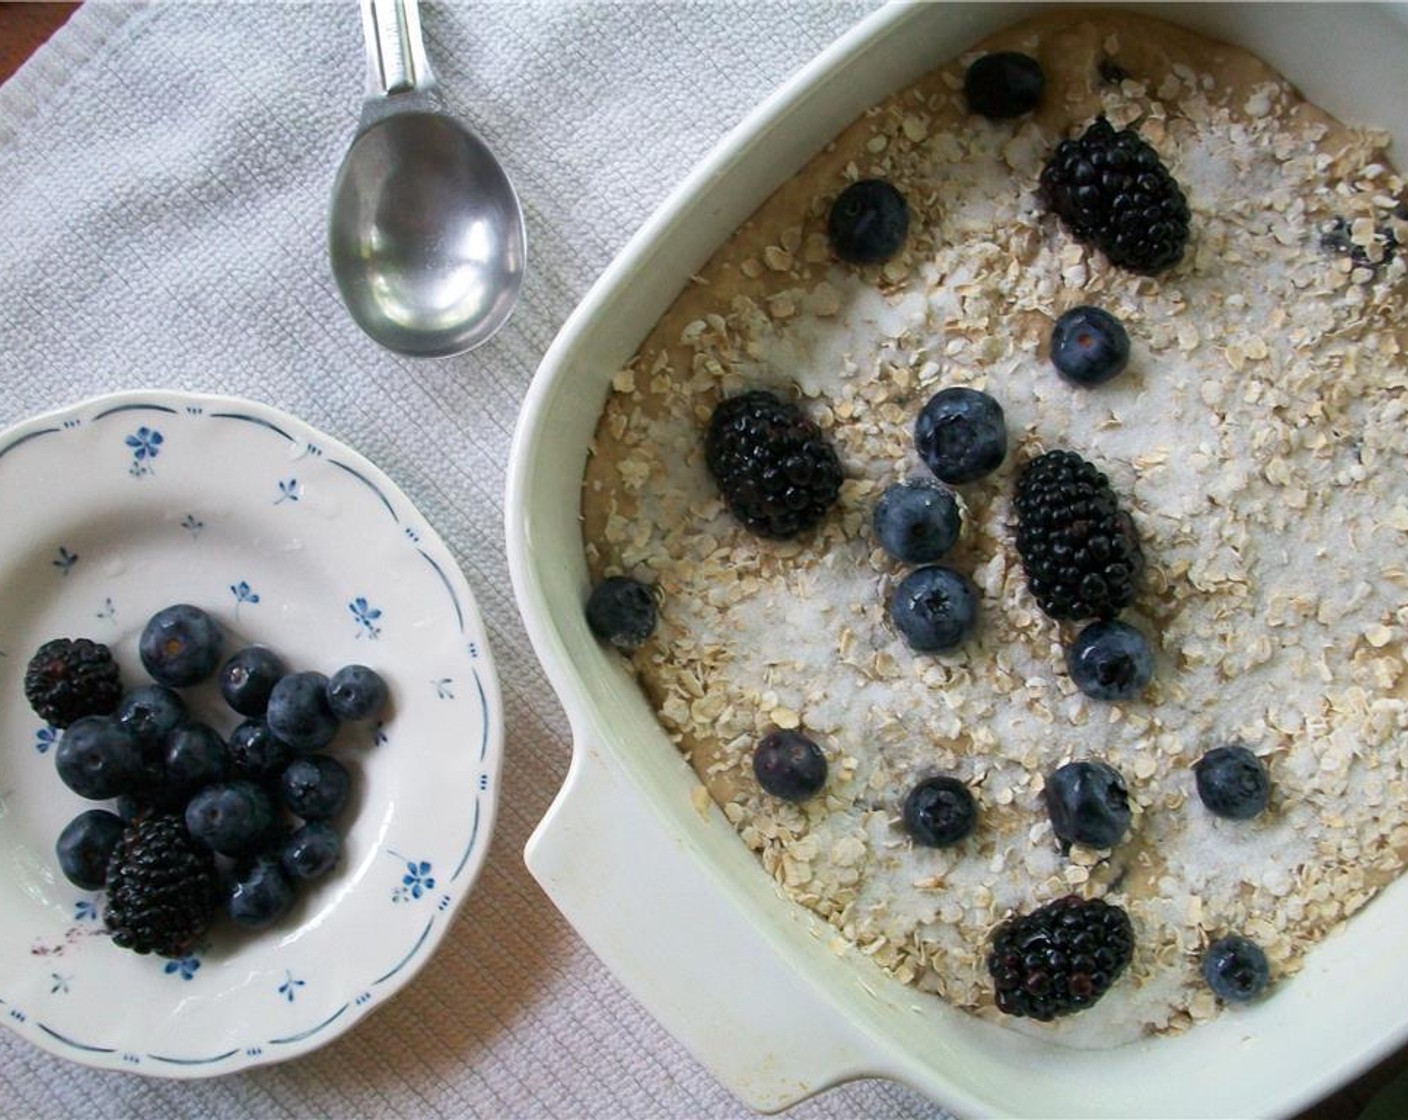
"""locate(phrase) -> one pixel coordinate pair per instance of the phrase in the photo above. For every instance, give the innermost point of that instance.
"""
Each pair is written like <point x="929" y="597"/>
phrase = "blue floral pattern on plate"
<point x="296" y="549"/>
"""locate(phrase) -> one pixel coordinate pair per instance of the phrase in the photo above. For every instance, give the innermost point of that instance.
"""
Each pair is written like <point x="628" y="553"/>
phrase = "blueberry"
<point x="935" y="608"/>
<point x="1089" y="346"/>
<point x="315" y="787"/>
<point x="789" y="765"/>
<point x="1232" y="782"/>
<point x="151" y="712"/>
<point x="1088" y="804"/>
<point x="248" y="677"/>
<point x="86" y="844"/>
<point x="917" y="520"/>
<point x="1004" y="84"/>
<point x="940" y="811"/>
<point x="356" y="692"/>
<point x="98" y="758"/>
<point x="256" y="752"/>
<point x="868" y="222"/>
<point x="232" y="818"/>
<point x="961" y="434"/>
<point x="299" y="713"/>
<point x="621" y="611"/>
<point x="260" y="893"/>
<point x="1236" y="969"/>
<point x="1110" y="661"/>
<point x="312" y="851"/>
<point x="180" y="645"/>
<point x="196" y="756"/>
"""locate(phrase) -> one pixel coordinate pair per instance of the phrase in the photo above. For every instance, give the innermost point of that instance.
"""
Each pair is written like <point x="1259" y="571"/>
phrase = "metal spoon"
<point x="426" y="235"/>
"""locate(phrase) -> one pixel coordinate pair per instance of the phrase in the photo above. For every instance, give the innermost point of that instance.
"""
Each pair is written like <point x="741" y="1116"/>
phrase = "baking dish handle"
<point x="628" y="882"/>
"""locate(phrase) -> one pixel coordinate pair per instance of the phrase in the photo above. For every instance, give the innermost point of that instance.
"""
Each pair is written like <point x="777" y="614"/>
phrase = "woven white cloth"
<point x="164" y="178"/>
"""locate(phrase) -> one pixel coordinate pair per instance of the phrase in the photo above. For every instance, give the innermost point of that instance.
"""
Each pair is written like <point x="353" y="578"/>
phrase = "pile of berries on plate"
<point x="199" y="822"/>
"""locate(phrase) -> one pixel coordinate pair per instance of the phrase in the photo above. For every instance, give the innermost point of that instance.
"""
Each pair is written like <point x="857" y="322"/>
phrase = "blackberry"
<point x="777" y="471"/>
<point x="68" y="679"/>
<point x="1078" y="548"/>
<point x="1113" y="191"/>
<point x="163" y="889"/>
<point x="1060" y="958"/>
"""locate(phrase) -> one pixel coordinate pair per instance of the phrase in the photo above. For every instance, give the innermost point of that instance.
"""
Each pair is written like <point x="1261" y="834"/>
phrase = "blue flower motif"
<point x="85" y="910"/>
<point x="192" y="524"/>
<point x="65" y="561"/>
<point x="60" y="983"/>
<point x="243" y="594"/>
<point x="109" y="612"/>
<point x="444" y="688"/>
<point x="366" y="616"/>
<point x="289" y="988"/>
<point x="45" y="738"/>
<point x="415" y="882"/>
<point x="186" y="966"/>
<point x="146" y="445"/>
<point x="289" y="491"/>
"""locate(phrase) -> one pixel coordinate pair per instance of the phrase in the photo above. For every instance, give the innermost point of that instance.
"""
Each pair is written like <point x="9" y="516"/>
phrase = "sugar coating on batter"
<point x="1258" y="439"/>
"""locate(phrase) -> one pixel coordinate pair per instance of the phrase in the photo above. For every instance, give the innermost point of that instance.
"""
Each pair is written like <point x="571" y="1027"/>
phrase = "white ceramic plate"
<point x="666" y="894"/>
<point x="119" y="506"/>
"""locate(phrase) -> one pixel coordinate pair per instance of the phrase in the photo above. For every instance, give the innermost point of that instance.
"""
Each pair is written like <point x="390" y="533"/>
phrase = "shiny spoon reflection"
<point x="426" y="235"/>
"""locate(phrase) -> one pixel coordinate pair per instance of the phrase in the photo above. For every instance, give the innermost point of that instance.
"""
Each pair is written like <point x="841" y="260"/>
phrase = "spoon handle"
<point x="396" y="61"/>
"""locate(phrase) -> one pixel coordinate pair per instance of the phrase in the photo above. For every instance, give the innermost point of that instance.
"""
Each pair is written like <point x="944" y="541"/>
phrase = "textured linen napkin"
<point x="164" y="178"/>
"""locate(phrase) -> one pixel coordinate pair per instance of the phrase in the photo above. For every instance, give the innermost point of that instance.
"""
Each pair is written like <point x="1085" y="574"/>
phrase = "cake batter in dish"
<point x="1257" y="439"/>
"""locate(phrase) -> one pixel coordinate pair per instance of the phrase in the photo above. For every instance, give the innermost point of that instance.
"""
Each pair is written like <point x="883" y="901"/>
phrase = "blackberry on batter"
<point x="1060" y="958"/>
<point x="1078" y="548"/>
<point x="776" y="470"/>
<point x="1113" y="191"/>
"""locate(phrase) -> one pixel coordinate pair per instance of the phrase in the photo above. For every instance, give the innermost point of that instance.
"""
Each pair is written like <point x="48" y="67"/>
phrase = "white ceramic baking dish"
<point x="663" y="890"/>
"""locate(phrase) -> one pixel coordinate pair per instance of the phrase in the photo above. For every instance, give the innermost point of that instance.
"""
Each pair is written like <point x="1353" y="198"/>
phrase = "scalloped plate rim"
<point x="372" y="991"/>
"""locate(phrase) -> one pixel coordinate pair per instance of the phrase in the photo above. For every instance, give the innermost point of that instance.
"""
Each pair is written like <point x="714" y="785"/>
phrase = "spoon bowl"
<point x="425" y="235"/>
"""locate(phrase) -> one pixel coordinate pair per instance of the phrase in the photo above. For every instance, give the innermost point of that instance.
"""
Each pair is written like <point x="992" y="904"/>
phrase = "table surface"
<point x="24" y="27"/>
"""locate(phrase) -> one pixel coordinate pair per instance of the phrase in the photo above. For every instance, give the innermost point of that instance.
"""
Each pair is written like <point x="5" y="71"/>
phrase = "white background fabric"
<point x="164" y="177"/>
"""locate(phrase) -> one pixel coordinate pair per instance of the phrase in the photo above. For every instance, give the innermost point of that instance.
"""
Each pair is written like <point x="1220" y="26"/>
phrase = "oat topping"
<point x="1257" y="439"/>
